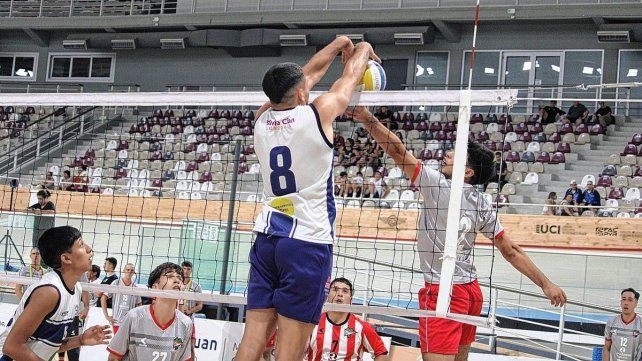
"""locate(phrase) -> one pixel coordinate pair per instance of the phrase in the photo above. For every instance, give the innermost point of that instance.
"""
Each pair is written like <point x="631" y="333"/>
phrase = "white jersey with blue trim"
<point x="48" y="337"/>
<point x="296" y="166"/>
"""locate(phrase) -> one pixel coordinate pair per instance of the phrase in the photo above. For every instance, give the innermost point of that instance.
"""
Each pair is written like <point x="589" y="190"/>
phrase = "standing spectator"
<point x="121" y="303"/>
<point x="66" y="181"/>
<point x="623" y="333"/>
<point x="550" y="112"/>
<point x="604" y="115"/>
<point x="577" y="113"/>
<point x="42" y="223"/>
<point x="378" y="187"/>
<point x="93" y="276"/>
<point x="43" y="204"/>
<point x="501" y="170"/>
<point x="34" y="269"/>
<point x="551" y="205"/>
<point x="568" y="206"/>
<point x="575" y="192"/>
<point x="190" y="307"/>
<point x="591" y="197"/>
<point x="110" y="275"/>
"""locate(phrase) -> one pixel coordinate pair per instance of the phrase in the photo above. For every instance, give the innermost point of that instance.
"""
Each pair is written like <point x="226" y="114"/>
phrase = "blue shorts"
<point x="289" y="275"/>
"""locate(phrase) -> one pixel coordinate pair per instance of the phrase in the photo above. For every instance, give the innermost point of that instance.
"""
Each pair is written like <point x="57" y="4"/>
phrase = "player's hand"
<point x="360" y="113"/>
<point x="83" y="314"/>
<point x="96" y="335"/>
<point x="371" y="53"/>
<point x="555" y="294"/>
<point x="110" y="319"/>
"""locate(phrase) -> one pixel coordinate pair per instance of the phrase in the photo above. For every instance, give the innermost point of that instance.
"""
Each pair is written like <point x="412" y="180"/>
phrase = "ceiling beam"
<point x="39" y="37"/>
<point x="450" y="31"/>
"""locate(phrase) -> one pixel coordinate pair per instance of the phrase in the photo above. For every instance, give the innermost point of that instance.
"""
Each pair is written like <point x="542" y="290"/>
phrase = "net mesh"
<point x="172" y="177"/>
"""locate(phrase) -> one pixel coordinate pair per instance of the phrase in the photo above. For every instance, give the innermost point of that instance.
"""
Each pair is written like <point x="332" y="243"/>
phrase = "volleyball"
<point x="374" y="78"/>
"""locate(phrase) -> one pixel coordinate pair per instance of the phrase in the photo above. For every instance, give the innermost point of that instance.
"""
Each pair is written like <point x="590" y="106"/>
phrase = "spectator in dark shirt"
<point x="384" y="114"/>
<point x="500" y="170"/>
<point x="604" y="115"/>
<point x="43" y="204"/>
<point x="591" y="196"/>
<point x="567" y="207"/>
<point x="577" y="113"/>
<point x="550" y="112"/>
<point x="575" y="192"/>
<point x="110" y="276"/>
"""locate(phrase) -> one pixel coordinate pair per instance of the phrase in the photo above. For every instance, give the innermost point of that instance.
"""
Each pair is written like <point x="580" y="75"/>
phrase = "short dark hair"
<point x="636" y="294"/>
<point x="343" y="280"/>
<point x="482" y="161"/>
<point x="95" y="269"/>
<point x="56" y="241"/>
<point x="67" y="173"/>
<point x="280" y="79"/>
<point x="554" y="101"/>
<point x="187" y="264"/>
<point x="112" y="260"/>
<point x="43" y="193"/>
<point x="161" y="270"/>
<point x="343" y="174"/>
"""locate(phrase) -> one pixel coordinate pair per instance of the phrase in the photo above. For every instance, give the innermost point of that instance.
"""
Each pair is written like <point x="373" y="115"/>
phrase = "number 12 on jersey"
<point x="280" y="164"/>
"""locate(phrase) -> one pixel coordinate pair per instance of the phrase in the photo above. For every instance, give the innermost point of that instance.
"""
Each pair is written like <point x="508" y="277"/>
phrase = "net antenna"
<point x="457" y="184"/>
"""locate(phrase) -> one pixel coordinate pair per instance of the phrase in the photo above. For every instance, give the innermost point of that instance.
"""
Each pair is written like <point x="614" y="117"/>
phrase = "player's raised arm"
<point x="389" y="142"/>
<point x="318" y="65"/>
<point x="335" y="101"/>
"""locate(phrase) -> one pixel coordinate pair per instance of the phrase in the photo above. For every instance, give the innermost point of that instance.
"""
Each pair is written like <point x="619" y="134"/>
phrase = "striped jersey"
<point x="296" y="167"/>
<point x="343" y="342"/>
<point x="48" y="337"/>
<point x="477" y="216"/>
<point x="626" y="338"/>
<point x="121" y="304"/>
<point x="142" y="337"/>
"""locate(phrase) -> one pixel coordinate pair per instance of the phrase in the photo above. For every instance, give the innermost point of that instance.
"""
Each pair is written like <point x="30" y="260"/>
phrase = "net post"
<point x="228" y="230"/>
<point x="454" y="205"/>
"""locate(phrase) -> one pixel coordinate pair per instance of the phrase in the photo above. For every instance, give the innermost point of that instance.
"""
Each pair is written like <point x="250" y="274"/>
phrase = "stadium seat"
<point x="568" y="138"/>
<point x="520" y="166"/>
<point x="555" y="137"/>
<point x="537" y="167"/>
<point x="621" y="181"/>
<point x="510" y="137"/>
<point x="625" y="170"/>
<point x="609" y="170"/>
<point x="512" y="157"/>
<point x="536" y="128"/>
<point x="521" y="128"/>
<point x="507" y="128"/>
<point x="636" y="139"/>
<point x="539" y="137"/>
<point x="630" y="149"/>
<point x="533" y="147"/>
<point x="509" y="188"/>
<point x="597" y="129"/>
<point x="565" y="129"/>
<point x="623" y="215"/>
<point x="492" y="188"/>
<point x="557" y="158"/>
<point x="636" y="182"/>
<point x="475" y="118"/>
<point x="616" y="193"/>
<point x="586" y="179"/>
<point x="582" y="128"/>
<point x="492" y="128"/>
<point x="495" y="137"/>
<point x="564" y="147"/>
<point x="515" y="178"/>
<point x="583" y="138"/>
<point x="528" y="157"/>
<point x="632" y="194"/>
<point x="525" y="137"/>
<point x="604" y="181"/>
<point x="531" y="178"/>
<point x="549" y="129"/>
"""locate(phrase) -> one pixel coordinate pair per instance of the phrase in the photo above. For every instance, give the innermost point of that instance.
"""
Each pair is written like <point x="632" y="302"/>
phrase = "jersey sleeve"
<point x="607" y="329"/>
<point x="372" y="342"/>
<point x="490" y="226"/>
<point x="119" y="344"/>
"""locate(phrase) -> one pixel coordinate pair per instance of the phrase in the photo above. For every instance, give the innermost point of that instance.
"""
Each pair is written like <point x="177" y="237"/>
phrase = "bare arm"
<point x="382" y="358"/>
<point x="112" y="357"/>
<point x="42" y="302"/>
<point x="606" y="352"/>
<point x="18" y="291"/>
<point x="334" y="102"/>
<point x="516" y="256"/>
<point x="387" y="140"/>
<point x="197" y="307"/>
<point x="103" y="304"/>
<point x="318" y="65"/>
<point x="85" y="302"/>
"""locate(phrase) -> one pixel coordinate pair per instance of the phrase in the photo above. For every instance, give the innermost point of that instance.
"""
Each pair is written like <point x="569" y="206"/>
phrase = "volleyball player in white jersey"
<point x="291" y="258"/>
<point x="443" y="339"/>
<point x="40" y="326"/>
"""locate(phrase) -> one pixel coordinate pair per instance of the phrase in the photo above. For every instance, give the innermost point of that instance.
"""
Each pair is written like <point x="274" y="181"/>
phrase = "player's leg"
<point x="462" y="353"/>
<point x="260" y="320"/>
<point x="301" y="293"/>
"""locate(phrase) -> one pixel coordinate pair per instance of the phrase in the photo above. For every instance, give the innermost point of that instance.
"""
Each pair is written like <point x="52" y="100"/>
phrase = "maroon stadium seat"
<point x="246" y="131"/>
<point x="243" y="167"/>
<point x="533" y="119"/>
<point x="440" y="135"/>
<point x="133" y="129"/>
<point x="407" y="126"/>
<point x="164" y="121"/>
<point x="630" y="149"/>
<point x="422" y="126"/>
<point x="525" y="137"/>
<point x="604" y="181"/>
<point x="123" y="144"/>
<point x="451" y="136"/>
<point x="202" y="157"/>
<point x="501" y="200"/>
<point x="504" y="146"/>
<point x="544" y="157"/>
<point x="158" y="113"/>
<point x="636" y="139"/>
<point x="536" y="128"/>
<point x="581" y="129"/>
<point x="191" y="166"/>
<point x="156" y="183"/>
<point x="201" y="138"/>
<point x="616" y="193"/>
<point x="157" y="155"/>
<point x="490" y="145"/>
<point x="555" y="137"/>
<point x="566" y="128"/>
<point x="396" y="117"/>
<point x="90" y="153"/>
<point x="521" y="128"/>
<point x="506" y="128"/>
<point x="213" y="138"/>
<point x="213" y="114"/>
<point x="175" y="121"/>
<point x="513" y="157"/>
<point x="438" y="154"/>
<point x="638" y="172"/>
<point x="177" y="129"/>
<point x="205" y="177"/>
<point x="482" y="136"/>
<point x="476" y="118"/>
<point x="169" y="113"/>
<point x="450" y="127"/>
<point x="249" y="149"/>
<point x="558" y="158"/>
<point x="425" y="154"/>
<point x="504" y="118"/>
<point x="597" y="129"/>
<point x="120" y="173"/>
<point x="226" y="114"/>
<point x="564" y="147"/>
<point x="222" y="130"/>
<point x="435" y="127"/>
<point x="191" y="147"/>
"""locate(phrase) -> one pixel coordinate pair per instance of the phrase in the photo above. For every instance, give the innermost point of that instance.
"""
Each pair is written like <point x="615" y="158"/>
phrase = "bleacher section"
<point x="187" y="154"/>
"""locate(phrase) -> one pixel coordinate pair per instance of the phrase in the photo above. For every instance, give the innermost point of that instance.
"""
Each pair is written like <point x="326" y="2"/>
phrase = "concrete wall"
<point x="155" y="68"/>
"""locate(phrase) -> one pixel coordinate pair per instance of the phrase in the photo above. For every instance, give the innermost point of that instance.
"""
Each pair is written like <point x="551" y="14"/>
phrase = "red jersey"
<point x="343" y="342"/>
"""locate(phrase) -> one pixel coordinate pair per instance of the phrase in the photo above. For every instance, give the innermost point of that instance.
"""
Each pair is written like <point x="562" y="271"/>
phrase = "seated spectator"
<point x="575" y="193"/>
<point x="356" y="186"/>
<point x="603" y="114"/>
<point x="567" y="207"/>
<point x="384" y="114"/>
<point x="361" y="133"/>
<point x="551" y="205"/>
<point x="549" y="113"/>
<point x="577" y="113"/>
<point x="190" y="307"/>
<point x="501" y="170"/>
<point x="340" y="185"/>
<point x="378" y="187"/>
<point x="81" y="179"/>
<point x="590" y="196"/>
<point x="66" y="181"/>
<point x="48" y="183"/>
<point x="43" y="204"/>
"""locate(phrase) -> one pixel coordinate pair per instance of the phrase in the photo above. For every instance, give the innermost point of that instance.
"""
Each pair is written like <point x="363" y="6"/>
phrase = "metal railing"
<point x="23" y="87"/>
<point x="68" y="8"/>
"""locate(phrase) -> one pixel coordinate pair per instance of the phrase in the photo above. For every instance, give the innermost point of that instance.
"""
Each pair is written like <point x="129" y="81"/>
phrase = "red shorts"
<point x="442" y="336"/>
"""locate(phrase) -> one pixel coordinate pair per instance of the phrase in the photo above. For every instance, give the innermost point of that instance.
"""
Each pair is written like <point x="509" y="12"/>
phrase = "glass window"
<point x="582" y="67"/>
<point x="6" y="66"/>
<point x="485" y="71"/>
<point x="80" y="67"/>
<point x="24" y="67"/>
<point x="432" y="69"/>
<point x="60" y="68"/>
<point x="101" y="67"/>
<point x="630" y="70"/>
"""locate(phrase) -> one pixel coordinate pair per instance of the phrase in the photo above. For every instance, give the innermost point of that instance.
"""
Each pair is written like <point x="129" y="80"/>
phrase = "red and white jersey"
<point x="343" y="342"/>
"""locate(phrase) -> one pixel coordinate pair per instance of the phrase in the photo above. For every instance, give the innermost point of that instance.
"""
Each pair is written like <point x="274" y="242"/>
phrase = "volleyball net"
<point x="157" y="177"/>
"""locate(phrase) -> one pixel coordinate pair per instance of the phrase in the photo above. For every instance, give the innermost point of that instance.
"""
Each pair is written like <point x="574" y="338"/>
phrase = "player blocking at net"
<point x="443" y="339"/>
<point x="291" y="258"/>
<point x="158" y="331"/>
<point x="40" y="326"/>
